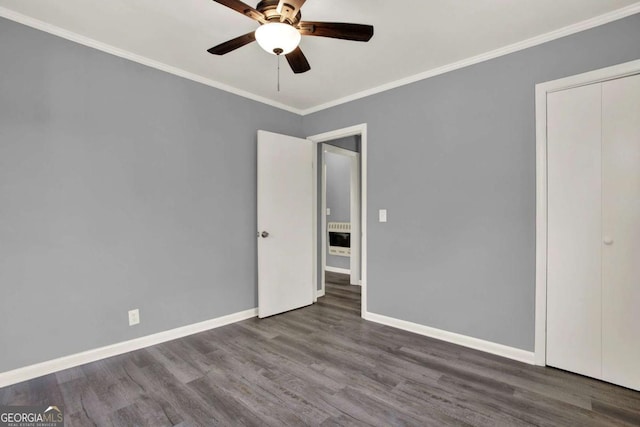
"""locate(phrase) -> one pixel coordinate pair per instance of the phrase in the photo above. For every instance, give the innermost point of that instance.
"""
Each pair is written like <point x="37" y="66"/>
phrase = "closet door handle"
<point x="608" y="241"/>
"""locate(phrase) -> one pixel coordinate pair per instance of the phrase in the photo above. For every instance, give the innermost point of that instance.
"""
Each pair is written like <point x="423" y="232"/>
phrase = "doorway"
<point x="355" y="155"/>
<point x="340" y="211"/>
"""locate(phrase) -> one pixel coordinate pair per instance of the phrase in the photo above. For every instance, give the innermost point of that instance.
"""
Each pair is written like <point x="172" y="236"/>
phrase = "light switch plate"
<point x="134" y="317"/>
<point x="328" y="211"/>
<point x="382" y="215"/>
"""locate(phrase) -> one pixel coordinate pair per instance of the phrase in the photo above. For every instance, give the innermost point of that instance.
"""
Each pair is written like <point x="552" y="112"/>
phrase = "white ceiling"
<point x="411" y="37"/>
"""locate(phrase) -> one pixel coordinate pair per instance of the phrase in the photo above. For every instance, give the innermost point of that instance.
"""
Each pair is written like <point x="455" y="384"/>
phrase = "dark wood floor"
<point x="322" y="365"/>
<point x="337" y="279"/>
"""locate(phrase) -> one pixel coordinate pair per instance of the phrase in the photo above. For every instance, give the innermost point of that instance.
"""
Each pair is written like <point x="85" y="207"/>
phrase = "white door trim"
<point x="542" y="89"/>
<point x="361" y="130"/>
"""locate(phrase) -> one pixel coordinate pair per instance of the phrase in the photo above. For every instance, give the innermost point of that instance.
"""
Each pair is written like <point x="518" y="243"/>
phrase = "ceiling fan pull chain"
<point x="278" y="72"/>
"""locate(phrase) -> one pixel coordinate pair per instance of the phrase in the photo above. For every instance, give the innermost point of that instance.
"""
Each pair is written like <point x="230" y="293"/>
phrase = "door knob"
<point x="264" y="234"/>
<point x="608" y="241"/>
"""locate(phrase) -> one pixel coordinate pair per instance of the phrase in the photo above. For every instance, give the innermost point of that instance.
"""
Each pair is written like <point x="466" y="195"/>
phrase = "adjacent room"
<point x="319" y="212"/>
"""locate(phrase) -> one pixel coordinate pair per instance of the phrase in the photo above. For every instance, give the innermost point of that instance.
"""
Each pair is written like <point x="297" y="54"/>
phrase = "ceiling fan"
<point x="281" y="29"/>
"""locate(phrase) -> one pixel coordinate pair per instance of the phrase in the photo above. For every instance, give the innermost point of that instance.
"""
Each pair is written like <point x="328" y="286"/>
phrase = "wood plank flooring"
<point x="324" y="366"/>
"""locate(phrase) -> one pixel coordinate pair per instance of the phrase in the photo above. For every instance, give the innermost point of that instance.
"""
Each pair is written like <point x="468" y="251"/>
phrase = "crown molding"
<point x="104" y="47"/>
<point x="515" y="47"/>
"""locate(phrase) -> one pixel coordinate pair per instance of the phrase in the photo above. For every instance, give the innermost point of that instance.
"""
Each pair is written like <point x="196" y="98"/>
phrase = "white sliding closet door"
<point x="574" y="271"/>
<point x="621" y="231"/>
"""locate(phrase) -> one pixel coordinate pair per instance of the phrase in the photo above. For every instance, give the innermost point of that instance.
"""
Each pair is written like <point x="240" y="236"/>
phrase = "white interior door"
<point x="574" y="271"/>
<point x="285" y="223"/>
<point x="621" y="232"/>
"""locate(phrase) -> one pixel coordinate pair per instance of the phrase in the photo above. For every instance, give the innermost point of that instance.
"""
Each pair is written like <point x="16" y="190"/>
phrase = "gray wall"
<point x="453" y="160"/>
<point x="120" y="187"/>
<point x="338" y="198"/>
<point x="125" y="187"/>
<point x="351" y="143"/>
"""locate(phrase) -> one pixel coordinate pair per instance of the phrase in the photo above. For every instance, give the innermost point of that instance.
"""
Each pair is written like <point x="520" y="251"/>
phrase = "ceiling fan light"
<point x="277" y="37"/>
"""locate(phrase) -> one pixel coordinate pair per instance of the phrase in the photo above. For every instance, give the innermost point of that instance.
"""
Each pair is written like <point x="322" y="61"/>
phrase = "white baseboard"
<point x="66" y="362"/>
<point x="463" y="340"/>
<point x="320" y="293"/>
<point x="337" y="270"/>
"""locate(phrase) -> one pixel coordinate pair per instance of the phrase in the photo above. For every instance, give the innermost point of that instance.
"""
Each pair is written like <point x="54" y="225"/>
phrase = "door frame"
<point x="360" y="130"/>
<point x="617" y="71"/>
<point x="354" y="209"/>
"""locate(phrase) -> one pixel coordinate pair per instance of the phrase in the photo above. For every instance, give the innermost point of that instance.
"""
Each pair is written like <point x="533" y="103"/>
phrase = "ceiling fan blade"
<point x="337" y="30"/>
<point x="288" y="9"/>
<point x="298" y="61"/>
<point x="244" y="9"/>
<point x="233" y="44"/>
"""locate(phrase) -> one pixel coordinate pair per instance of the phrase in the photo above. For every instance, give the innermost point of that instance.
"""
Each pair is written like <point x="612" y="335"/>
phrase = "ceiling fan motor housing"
<point x="270" y="9"/>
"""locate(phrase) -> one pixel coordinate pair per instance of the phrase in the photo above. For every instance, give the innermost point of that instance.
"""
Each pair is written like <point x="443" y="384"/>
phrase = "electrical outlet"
<point x="134" y="317"/>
